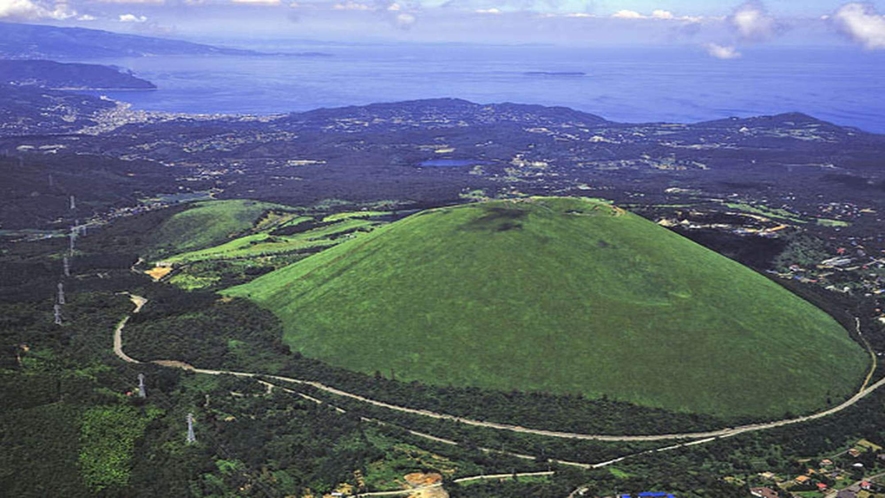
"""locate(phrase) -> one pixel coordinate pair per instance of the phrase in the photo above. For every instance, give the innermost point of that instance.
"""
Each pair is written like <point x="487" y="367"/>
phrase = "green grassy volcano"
<point x="562" y="295"/>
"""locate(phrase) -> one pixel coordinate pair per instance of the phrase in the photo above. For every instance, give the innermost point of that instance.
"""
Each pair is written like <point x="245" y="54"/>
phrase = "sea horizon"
<point x="631" y="85"/>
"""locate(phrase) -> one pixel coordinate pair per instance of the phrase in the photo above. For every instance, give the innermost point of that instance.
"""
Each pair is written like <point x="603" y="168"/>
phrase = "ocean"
<point x="843" y="85"/>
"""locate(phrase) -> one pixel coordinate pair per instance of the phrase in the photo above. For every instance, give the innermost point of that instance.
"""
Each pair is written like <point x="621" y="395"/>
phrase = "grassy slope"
<point x="586" y="303"/>
<point x="264" y="244"/>
<point x="209" y="223"/>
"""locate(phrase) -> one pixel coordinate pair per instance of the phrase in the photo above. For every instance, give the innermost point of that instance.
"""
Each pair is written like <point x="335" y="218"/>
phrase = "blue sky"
<point x="724" y="29"/>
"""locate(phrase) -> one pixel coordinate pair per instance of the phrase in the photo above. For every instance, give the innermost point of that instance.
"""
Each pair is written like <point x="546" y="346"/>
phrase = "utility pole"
<point x="73" y="204"/>
<point x="57" y="309"/>
<point x="141" y="391"/>
<point x="61" y="293"/>
<point x="67" y="266"/>
<point x="190" y="429"/>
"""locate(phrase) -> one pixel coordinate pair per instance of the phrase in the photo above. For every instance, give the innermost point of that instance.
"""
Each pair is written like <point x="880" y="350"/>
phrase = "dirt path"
<point x="869" y="350"/>
<point x="118" y="342"/>
<point x="502" y="476"/>
<point x="403" y="492"/>
<point x="706" y="436"/>
<point x="139" y="303"/>
<point x="695" y="438"/>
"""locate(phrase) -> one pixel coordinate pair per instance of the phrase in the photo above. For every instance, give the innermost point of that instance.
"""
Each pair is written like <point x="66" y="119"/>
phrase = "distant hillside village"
<point x="850" y="264"/>
<point x="851" y="270"/>
<point x="850" y="474"/>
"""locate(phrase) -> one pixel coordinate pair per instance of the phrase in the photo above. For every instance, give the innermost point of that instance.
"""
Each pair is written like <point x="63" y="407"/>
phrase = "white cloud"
<point x="579" y="14"/>
<point x="132" y="18"/>
<point x="627" y="14"/>
<point x="657" y="14"/>
<point x="27" y="10"/>
<point x="19" y="9"/>
<point x="257" y="2"/>
<point x="351" y="6"/>
<point x="722" y="52"/>
<point x="132" y="1"/>
<point x="862" y="23"/>
<point x="488" y="11"/>
<point x="394" y="7"/>
<point x="86" y="17"/>
<point x="405" y="20"/>
<point x="753" y="23"/>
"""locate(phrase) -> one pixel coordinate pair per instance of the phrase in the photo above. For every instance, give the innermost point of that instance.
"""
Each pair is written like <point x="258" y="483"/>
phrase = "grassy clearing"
<point x="777" y="214"/>
<point x="356" y="214"/>
<point x="107" y="438"/>
<point x="261" y="244"/>
<point x="562" y="296"/>
<point x="824" y="222"/>
<point x="620" y="474"/>
<point x="209" y="223"/>
<point x="207" y="267"/>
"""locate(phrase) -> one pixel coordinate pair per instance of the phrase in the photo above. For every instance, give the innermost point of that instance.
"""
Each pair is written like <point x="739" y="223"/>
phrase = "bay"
<point x="675" y="84"/>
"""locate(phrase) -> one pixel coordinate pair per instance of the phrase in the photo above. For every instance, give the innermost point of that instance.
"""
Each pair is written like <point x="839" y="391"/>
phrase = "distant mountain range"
<point x="50" y="74"/>
<point x="30" y="41"/>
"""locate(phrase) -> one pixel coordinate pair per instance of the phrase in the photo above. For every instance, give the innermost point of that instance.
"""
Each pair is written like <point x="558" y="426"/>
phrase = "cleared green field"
<point x="562" y="296"/>
<point x="356" y="214"/>
<point x="775" y="213"/>
<point x="832" y="223"/>
<point x="264" y="244"/>
<point x="250" y="237"/>
<point x="209" y="223"/>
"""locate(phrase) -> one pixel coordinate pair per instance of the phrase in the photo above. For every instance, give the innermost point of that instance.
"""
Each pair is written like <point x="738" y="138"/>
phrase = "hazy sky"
<point x="723" y="28"/>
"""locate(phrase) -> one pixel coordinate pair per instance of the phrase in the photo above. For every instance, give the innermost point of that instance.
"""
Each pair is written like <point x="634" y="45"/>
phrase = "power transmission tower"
<point x="73" y="238"/>
<point x="67" y="266"/>
<point x="141" y="391"/>
<point x="61" y="293"/>
<point x="57" y="314"/>
<point x="190" y="429"/>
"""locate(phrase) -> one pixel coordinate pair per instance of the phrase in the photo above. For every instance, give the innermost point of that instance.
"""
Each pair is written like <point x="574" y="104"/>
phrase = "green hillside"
<point x="562" y="296"/>
<point x="208" y="223"/>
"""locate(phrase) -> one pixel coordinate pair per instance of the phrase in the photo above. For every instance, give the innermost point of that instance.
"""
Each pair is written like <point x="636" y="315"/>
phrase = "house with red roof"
<point x="764" y="493"/>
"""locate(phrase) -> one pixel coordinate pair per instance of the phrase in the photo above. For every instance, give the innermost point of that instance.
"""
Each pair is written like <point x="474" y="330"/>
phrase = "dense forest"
<point x="37" y="189"/>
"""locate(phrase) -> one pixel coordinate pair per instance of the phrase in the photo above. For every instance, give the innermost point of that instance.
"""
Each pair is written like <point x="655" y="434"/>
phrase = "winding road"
<point x="862" y="393"/>
<point x="687" y="439"/>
